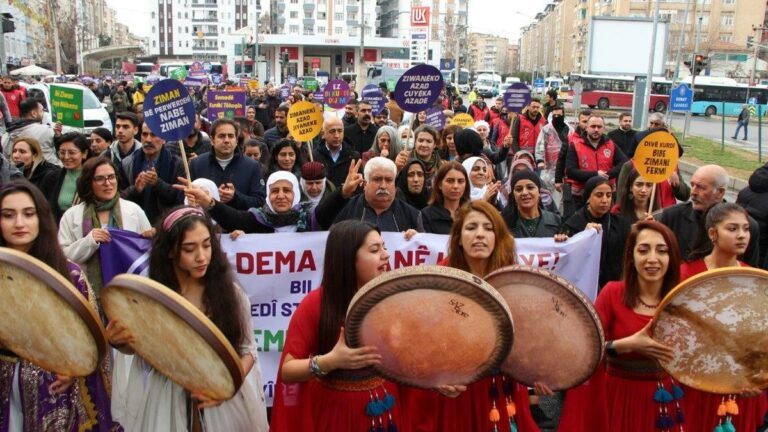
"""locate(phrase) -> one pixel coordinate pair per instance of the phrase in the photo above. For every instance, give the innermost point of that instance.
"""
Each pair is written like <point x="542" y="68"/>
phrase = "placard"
<point x="418" y="88"/>
<point x="225" y="104"/>
<point x="336" y="94"/>
<point x="656" y="156"/>
<point x="304" y="121"/>
<point x="517" y="97"/>
<point x="169" y="110"/>
<point x="67" y="106"/>
<point x="463" y="120"/>
<point x="436" y="118"/>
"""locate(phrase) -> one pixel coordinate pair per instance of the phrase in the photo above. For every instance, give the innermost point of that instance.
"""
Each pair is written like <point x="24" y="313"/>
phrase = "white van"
<point x="95" y="114"/>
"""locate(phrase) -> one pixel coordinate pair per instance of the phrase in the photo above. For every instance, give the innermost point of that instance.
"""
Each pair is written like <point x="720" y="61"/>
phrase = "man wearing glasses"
<point x="336" y="155"/>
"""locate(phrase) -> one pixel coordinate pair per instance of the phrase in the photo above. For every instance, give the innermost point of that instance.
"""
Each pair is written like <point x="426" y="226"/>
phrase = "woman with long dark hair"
<point x="727" y="226"/>
<point x="450" y="192"/>
<point x="84" y="227"/>
<point x="285" y="156"/>
<point x="323" y="384"/>
<point x="525" y="215"/>
<point x="634" y="203"/>
<point x="480" y="243"/>
<point x="35" y="399"/>
<point x="187" y="257"/>
<point x="620" y="395"/>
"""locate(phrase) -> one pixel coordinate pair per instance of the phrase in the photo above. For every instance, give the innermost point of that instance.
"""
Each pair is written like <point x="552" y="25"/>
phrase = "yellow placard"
<point x="656" y="156"/>
<point x="304" y="121"/>
<point x="253" y="84"/>
<point x="463" y="120"/>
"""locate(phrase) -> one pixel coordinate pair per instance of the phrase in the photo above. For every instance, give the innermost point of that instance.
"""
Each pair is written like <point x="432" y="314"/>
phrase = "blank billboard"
<point x="621" y="46"/>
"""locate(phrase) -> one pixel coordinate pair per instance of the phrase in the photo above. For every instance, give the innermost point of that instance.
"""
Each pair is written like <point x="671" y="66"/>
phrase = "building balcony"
<point x="281" y="7"/>
<point x="352" y="8"/>
<point x="281" y="21"/>
<point x="309" y="7"/>
<point x="308" y="22"/>
<point x="353" y="23"/>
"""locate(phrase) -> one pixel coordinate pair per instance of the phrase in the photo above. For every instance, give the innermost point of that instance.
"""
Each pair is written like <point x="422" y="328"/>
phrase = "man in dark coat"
<point x="377" y="204"/>
<point x="333" y="153"/>
<point x="360" y="135"/>
<point x="754" y="198"/>
<point x="686" y="220"/>
<point x="238" y="178"/>
<point x="624" y="136"/>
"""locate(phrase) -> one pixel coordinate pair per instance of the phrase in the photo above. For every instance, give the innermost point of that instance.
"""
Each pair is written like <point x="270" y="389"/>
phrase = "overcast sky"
<point x="484" y="15"/>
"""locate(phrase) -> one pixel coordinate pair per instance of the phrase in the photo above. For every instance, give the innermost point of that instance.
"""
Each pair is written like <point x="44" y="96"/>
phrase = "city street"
<point x="711" y="128"/>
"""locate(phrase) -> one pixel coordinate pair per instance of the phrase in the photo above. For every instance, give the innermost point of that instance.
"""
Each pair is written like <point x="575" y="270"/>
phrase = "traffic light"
<point x="284" y="57"/>
<point x="701" y="62"/>
<point x="8" y="25"/>
<point x="750" y="41"/>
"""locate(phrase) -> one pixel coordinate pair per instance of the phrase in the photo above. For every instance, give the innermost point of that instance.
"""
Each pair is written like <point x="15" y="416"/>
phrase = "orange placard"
<point x="304" y="120"/>
<point x="656" y="156"/>
<point x="463" y="120"/>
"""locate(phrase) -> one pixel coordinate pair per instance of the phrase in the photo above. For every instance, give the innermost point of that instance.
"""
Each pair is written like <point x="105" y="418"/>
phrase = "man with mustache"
<point x="686" y="220"/>
<point x="377" y="204"/>
<point x="360" y="135"/>
<point x="152" y="171"/>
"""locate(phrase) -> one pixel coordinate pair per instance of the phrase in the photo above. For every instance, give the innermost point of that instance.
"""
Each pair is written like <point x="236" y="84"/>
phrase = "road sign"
<point x="681" y="98"/>
<point x="447" y="64"/>
<point x="538" y="82"/>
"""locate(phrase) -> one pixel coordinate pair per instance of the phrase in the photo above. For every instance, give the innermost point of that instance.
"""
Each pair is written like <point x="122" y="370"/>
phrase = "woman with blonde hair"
<point x="27" y="155"/>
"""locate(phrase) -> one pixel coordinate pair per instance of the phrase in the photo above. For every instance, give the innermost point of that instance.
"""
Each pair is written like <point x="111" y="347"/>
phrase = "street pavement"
<point x="711" y="128"/>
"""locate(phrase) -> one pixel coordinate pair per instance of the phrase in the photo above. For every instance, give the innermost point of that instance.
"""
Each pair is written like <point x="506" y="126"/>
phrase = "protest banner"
<point x="278" y="270"/>
<point x="375" y="97"/>
<point x="225" y="104"/>
<point x="67" y="106"/>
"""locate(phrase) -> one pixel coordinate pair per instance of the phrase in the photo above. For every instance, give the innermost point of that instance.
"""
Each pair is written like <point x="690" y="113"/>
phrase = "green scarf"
<point x="432" y="164"/>
<point x="90" y="221"/>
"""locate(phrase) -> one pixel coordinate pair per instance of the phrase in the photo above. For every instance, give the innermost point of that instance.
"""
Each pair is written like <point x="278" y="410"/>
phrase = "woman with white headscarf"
<point x="480" y="185"/>
<point x="282" y="212"/>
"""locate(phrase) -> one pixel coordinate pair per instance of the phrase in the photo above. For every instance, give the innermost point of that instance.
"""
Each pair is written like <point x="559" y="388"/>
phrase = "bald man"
<point x="333" y="153"/>
<point x="686" y="220"/>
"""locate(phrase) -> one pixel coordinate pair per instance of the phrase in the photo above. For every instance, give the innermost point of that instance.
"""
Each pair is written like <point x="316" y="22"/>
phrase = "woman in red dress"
<point x="630" y="392"/>
<point x="324" y="385"/>
<point x="480" y="243"/>
<point x="727" y="226"/>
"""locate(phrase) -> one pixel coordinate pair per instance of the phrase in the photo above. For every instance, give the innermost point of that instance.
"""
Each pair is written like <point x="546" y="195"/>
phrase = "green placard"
<point x="67" y="106"/>
<point x="179" y="74"/>
<point x="391" y="83"/>
<point x="310" y="84"/>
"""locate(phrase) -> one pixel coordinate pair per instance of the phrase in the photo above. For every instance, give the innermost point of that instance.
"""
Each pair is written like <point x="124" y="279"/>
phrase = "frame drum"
<point x="174" y="336"/>
<point x="46" y="320"/>
<point x="558" y="335"/>
<point x="717" y="324"/>
<point x="432" y="325"/>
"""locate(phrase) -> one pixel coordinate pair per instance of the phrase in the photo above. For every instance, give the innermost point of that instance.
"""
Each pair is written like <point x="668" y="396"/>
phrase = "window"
<point x="179" y="29"/>
<point x="185" y="15"/>
<point x="726" y="37"/>
<point x="237" y="15"/>
<point x="339" y="30"/>
<point x="222" y="44"/>
<point x="338" y="16"/>
<point x="308" y="31"/>
<point x="321" y="30"/>
<point x="179" y="44"/>
<point x="187" y="44"/>
<point x="179" y="15"/>
<point x="729" y="2"/>
<point x="726" y="20"/>
<point x="320" y="15"/>
<point x="154" y="44"/>
<point x="153" y="14"/>
<point x="294" y="29"/>
<point x="294" y="14"/>
<point x="170" y="29"/>
<point x="153" y="29"/>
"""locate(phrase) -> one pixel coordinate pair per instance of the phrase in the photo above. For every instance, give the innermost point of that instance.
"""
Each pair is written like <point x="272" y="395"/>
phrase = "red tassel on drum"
<point x="494" y="415"/>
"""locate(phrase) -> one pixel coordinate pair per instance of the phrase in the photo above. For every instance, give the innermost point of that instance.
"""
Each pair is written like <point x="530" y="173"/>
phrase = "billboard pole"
<point x="693" y="75"/>
<point x="651" y="59"/>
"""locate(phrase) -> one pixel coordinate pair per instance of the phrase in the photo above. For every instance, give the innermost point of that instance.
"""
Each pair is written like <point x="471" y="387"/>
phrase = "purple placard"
<point x="337" y="94"/>
<point x="195" y="83"/>
<point x="196" y="69"/>
<point x="418" y="88"/>
<point x="375" y="97"/>
<point x="319" y="95"/>
<point x="225" y="104"/>
<point x="435" y="118"/>
<point x="285" y="91"/>
<point x="517" y="97"/>
<point x="169" y="110"/>
<point x="216" y="79"/>
<point x="153" y="79"/>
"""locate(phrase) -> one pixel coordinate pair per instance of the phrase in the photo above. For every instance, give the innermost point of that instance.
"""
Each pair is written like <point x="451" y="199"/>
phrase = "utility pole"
<point x="651" y="60"/>
<point x="360" y="80"/>
<point x="678" y="56"/>
<point x="693" y="74"/>
<point x="759" y="29"/>
<point x="56" y="42"/>
<point x="256" y="42"/>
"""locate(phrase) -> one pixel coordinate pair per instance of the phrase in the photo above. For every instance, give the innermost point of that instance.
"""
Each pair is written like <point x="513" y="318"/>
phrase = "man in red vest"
<point x="592" y="154"/>
<point x="526" y="127"/>
<point x="478" y="110"/>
